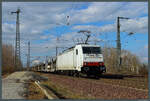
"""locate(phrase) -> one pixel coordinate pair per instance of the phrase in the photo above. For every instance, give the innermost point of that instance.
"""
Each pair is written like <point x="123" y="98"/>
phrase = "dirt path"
<point x="13" y="90"/>
<point x="15" y="86"/>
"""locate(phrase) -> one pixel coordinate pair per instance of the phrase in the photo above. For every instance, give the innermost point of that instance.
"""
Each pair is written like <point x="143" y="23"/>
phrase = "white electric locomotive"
<point x="81" y="58"/>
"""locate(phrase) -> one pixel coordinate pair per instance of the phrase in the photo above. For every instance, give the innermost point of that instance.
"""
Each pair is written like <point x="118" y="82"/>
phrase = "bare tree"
<point x="8" y="55"/>
<point x="130" y="62"/>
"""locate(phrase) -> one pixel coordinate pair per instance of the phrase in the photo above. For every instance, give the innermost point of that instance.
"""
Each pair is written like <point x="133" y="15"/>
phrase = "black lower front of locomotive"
<point x="93" y="70"/>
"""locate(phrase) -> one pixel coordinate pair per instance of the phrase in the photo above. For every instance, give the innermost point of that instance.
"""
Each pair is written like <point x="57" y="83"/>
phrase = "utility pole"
<point x="28" y="56"/>
<point x="1" y="41"/>
<point x="17" y="45"/>
<point x="56" y="50"/>
<point x="46" y="62"/>
<point x="56" y="45"/>
<point x="119" y="59"/>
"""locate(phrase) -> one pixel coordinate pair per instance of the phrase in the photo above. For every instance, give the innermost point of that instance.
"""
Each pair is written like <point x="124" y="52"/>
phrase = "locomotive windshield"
<point x="91" y="50"/>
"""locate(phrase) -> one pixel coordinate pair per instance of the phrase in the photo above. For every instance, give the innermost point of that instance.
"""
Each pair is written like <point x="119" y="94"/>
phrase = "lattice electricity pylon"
<point x="17" y="45"/>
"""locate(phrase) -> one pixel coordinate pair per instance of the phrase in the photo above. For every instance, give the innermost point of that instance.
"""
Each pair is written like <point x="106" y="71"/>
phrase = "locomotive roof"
<point x="87" y="45"/>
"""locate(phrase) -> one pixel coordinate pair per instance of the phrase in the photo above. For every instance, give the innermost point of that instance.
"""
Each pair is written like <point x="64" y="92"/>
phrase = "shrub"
<point x="8" y="56"/>
<point x="144" y="70"/>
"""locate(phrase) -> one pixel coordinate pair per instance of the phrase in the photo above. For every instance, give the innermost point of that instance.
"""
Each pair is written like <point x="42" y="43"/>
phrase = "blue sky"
<point x="42" y="23"/>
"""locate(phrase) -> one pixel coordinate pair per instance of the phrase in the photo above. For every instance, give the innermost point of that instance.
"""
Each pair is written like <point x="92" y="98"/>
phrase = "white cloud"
<point x="145" y="59"/>
<point x="143" y="53"/>
<point x="91" y="28"/>
<point x="8" y="28"/>
<point x="138" y="25"/>
<point x="35" y="18"/>
<point x="146" y="46"/>
<point x="109" y="11"/>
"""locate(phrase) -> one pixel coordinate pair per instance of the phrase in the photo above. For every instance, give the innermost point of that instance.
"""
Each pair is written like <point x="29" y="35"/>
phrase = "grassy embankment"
<point x="34" y="92"/>
<point x="62" y="92"/>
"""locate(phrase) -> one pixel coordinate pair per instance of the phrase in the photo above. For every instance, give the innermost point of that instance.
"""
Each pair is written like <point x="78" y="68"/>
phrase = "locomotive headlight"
<point x="86" y="68"/>
<point x="101" y="63"/>
<point x="85" y="63"/>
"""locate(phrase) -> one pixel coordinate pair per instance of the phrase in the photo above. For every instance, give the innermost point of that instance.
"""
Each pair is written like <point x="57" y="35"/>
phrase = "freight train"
<point x="80" y="59"/>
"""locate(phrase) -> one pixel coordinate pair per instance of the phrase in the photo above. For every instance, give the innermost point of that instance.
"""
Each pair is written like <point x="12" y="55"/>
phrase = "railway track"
<point x="97" y="88"/>
<point x="67" y="87"/>
<point x="113" y="79"/>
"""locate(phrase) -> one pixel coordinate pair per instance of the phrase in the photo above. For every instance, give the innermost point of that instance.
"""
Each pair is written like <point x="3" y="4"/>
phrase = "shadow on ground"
<point x="107" y="76"/>
<point x="118" y="76"/>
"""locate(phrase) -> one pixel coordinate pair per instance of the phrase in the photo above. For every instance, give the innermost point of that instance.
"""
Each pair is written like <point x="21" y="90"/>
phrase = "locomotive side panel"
<point x="65" y="61"/>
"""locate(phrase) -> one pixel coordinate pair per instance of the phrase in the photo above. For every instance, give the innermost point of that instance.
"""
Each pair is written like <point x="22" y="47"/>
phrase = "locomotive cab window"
<point x="76" y="52"/>
<point x="91" y="50"/>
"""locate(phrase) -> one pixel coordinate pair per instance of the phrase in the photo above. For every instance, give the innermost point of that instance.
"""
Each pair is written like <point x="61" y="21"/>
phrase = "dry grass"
<point x="98" y="89"/>
<point x="129" y="82"/>
<point x="5" y="75"/>
<point x="134" y="82"/>
<point x="61" y="92"/>
<point x="35" y="92"/>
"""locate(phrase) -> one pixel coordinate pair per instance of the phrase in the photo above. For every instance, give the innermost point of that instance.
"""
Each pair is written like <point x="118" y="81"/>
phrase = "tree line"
<point x="130" y="62"/>
<point x="8" y="59"/>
